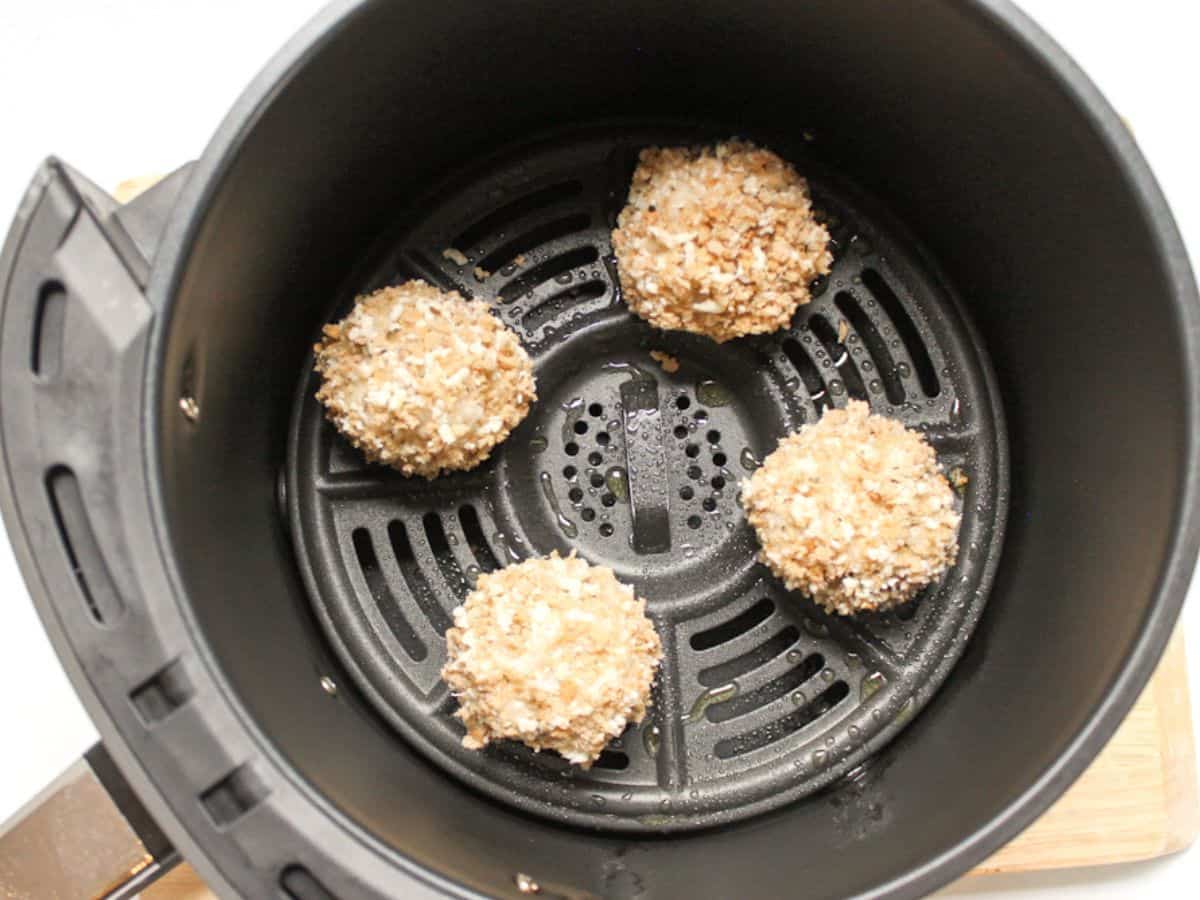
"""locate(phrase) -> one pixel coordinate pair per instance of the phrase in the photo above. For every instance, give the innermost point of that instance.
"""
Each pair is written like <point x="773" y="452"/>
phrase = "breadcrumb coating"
<point x="854" y="511"/>
<point x="718" y="241"/>
<point x="423" y="380"/>
<point x="553" y="652"/>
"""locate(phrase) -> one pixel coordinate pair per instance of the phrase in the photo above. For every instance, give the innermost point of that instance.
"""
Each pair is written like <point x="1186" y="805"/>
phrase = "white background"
<point x="130" y="87"/>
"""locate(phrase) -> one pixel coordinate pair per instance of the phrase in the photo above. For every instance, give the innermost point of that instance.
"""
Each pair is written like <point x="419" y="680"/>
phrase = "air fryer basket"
<point x="762" y="698"/>
<point x="252" y="615"/>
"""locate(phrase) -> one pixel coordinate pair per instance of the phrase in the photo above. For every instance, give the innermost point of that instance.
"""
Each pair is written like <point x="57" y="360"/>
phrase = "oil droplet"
<point x="712" y="393"/>
<point x="794" y="656"/>
<point x="817" y="286"/>
<point x="903" y="369"/>
<point x="651" y="738"/>
<point x="799" y="699"/>
<point x="854" y="732"/>
<point x="792" y="384"/>
<point x="694" y="794"/>
<point x="827" y="674"/>
<point x="719" y="694"/>
<point x="628" y="795"/>
<point x="597" y="800"/>
<point x="815" y="628"/>
<point x="871" y="685"/>
<point x="565" y="525"/>
<point x="574" y="410"/>
<point x="875" y="385"/>
<point x="617" y="482"/>
<point x="906" y="712"/>
<point x="565" y="278"/>
<point x="749" y="461"/>
<point x="538" y="444"/>
<point x="472" y="572"/>
<point x="836" y="387"/>
<point x="818" y="758"/>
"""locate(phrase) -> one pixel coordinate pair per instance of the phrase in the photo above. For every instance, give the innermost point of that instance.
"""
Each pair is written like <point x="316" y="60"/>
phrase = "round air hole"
<point x="587" y="514"/>
<point x="596" y="479"/>
<point x="596" y="410"/>
<point x="686" y="492"/>
<point x="694" y="521"/>
<point x="608" y="499"/>
<point x="719" y="459"/>
<point x="693" y="450"/>
<point x="694" y="473"/>
<point x="569" y="472"/>
<point x="595" y="458"/>
<point x="718" y="482"/>
<point x="714" y="437"/>
<point x="606" y="529"/>
<point x="575" y="494"/>
<point x="571" y="449"/>
<point x="701" y="415"/>
<point x="681" y="431"/>
<point x="581" y="427"/>
<point x="602" y="439"/>
<point x="682" y="402"/>
<point x="709" y="504"/>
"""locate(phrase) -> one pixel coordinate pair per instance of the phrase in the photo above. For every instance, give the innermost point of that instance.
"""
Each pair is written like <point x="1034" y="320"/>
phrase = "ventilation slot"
<point x="48" y="325"/>
<point x="837" y="351"/>
<point x="876" y="346"/>
<point x="298" y="883"/>
<point x="742" y="704"/>
<point x="79" y="543"/>
<point x="738" y="625"/>
<point x="551" y="268"/>
<point x="612" y="759"/>
<point x="808" y="374"/>
<point x="782" y="728"/>
<point x="381" y="593"/>
<point x="158" y="697"/>
<point x="435" y="533"/>
<point x="905" y="328"/>
<point x="233" y="796"/>
<point x="725" y="672"/>
<point x="562" y="301"/>
<point x="473" y="530"/>
<point x="502" y="218"/>
<point x="418" y="585"/>
<point x="532" y="239"/>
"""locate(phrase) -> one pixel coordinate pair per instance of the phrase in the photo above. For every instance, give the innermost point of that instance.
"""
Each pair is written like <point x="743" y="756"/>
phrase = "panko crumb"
<point x="669" y="364"/>
<point x="455" y="256"/>
<point x="719" y="241"/>
<point x="423" y="380"/>
<point x="854" y="512"/>
<point x="481" y="274"/>
<point x="843" y="330"/>
<point x="519" y="260"/>
<point x="958" y="478"/>
<point x="553" y="652"/>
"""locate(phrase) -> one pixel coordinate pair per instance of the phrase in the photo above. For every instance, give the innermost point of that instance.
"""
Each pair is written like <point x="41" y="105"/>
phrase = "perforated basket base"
<point x="762" y="698"/>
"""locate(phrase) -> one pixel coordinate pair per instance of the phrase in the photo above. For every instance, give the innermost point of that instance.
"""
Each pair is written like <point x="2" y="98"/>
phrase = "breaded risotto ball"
<point x="854" y="512"/>
<point x="553" y="652"/>
<point x="423" y="380"/>
<point x="718" y="240"/>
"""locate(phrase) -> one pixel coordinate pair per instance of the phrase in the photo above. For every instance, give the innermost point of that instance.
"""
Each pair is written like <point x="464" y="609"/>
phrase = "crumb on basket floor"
<point x="719" y="240"/>
<point x="669" y="363"/>
<point x="553" y="652"/>
<point x="423" y="380"/>
<point x="854" y="511"/>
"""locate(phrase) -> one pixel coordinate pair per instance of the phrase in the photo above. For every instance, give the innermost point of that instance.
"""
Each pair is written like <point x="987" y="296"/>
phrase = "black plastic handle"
<point x="74" y="321"/>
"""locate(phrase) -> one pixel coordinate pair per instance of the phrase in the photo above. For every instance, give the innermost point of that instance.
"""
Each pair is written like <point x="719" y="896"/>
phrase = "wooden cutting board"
<point x="1138" y="800"/>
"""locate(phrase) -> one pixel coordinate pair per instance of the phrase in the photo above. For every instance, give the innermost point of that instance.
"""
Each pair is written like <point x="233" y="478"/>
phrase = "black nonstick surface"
<point x="762" y="698"/>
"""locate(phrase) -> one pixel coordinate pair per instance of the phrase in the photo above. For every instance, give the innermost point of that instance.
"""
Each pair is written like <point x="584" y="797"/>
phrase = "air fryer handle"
<point x="75" y="323"/>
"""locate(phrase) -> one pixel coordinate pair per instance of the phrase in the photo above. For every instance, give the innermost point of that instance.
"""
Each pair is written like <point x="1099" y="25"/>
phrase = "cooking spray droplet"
<point x="651" y="737"/>
<point x="871" y="685"/>
<point x="712" y="696"/>
<point x="617" y="482"/>
<point x="712" y="393"/>
<point x="749" y="461"/>
<point x="565" y="525"/>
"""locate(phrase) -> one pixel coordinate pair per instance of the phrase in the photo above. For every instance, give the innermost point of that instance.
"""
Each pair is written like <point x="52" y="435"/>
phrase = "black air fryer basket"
<point x="255" y="616"/>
